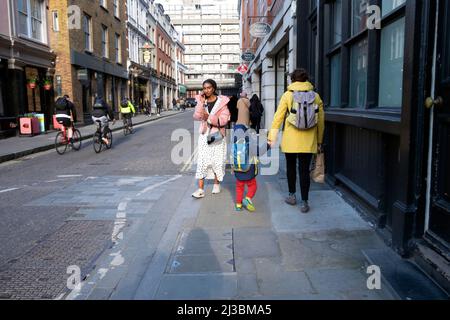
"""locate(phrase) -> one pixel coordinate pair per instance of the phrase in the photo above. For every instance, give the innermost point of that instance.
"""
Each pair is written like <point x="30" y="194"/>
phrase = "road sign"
<point x="242" y="69"/>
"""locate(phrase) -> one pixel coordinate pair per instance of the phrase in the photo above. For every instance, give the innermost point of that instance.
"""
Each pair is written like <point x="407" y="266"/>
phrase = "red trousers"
<point x="240" y="189"/>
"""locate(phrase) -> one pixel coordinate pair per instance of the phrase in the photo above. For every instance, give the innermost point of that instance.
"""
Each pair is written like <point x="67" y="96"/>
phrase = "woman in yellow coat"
<point x="298" y="144"/>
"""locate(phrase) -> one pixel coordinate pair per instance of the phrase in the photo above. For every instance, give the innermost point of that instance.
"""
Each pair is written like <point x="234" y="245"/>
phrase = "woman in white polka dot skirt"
<point x="214" y="115"/>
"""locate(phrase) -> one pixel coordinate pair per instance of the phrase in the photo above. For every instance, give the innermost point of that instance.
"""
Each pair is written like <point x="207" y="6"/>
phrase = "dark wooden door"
<point x="439" y="216"/>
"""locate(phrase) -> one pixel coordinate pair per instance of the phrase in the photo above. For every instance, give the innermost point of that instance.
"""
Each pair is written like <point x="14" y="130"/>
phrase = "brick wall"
<point x="65" y="40"/>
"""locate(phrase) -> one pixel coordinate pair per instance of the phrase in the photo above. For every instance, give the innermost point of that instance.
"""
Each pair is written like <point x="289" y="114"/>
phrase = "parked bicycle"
<point x="99" y="137"/>
<point x="62" y="140"/>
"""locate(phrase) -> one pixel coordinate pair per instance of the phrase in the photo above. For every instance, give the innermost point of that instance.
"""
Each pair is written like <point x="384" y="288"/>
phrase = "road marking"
<point x="158" y="185"/>
<point x="70" y="176"/>
<point x="7" y="190"/>
<point x="188" y="164"/>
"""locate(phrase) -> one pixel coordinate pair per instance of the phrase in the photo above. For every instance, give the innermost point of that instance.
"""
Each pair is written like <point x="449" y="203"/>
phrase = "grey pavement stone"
<point x="326" y="252"/>
<point x="274" y="281"/>
<point x="197" y="287"/>
<point x="344" y="284"/>
<point x="255" y="242"/>
<point x="328" y="211"/>
<point x="99" y="294"/>
<point x="202" y="247"/>
<point x="247" y="286"/>
<point x="112" y="277"/>
<point x="202" y="264"/>
<point x="245" y="266"/>
<point x="212" y="215"/>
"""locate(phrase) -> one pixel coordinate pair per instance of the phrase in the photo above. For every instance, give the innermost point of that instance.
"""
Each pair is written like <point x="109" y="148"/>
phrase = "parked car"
<point x="191" y="103"/>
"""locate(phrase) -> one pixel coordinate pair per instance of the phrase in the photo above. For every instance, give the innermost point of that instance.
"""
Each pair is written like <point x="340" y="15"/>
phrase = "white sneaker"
<point x="216" y="189"/>
<point x="200" y="193"/>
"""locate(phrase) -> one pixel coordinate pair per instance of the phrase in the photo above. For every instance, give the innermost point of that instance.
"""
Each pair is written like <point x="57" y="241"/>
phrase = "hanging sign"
<point x="248" y="56"/>
<point x="260" y="29"/>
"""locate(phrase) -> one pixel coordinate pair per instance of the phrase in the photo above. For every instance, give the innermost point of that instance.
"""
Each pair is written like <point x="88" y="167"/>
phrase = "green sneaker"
<point x="238" y="207"/>
<point x="248" y="204"/>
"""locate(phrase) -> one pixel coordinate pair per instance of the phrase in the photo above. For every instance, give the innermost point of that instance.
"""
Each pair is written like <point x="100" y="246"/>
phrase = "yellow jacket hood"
<point x="301" y="86"/>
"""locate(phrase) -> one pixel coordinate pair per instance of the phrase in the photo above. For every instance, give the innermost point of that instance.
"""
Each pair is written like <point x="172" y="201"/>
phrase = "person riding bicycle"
<point x="66" y="114"/>
<point x="127" y="110"/>
<point x="103" y="113"/>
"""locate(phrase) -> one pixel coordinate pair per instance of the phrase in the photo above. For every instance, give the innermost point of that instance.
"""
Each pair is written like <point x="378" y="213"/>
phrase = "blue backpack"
<point x="241" y="161"/>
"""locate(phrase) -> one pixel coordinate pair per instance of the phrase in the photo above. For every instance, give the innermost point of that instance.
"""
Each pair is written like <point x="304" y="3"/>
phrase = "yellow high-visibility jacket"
<point x="128" y="109"/>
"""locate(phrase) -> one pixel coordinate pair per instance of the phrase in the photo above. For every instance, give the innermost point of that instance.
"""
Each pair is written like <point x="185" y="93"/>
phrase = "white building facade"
<point x="211" y="36"/>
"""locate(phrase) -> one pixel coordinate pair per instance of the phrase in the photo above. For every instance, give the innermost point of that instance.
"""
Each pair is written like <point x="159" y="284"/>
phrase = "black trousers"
<point x="256" y="124"/>
<point x="303" y="167"/>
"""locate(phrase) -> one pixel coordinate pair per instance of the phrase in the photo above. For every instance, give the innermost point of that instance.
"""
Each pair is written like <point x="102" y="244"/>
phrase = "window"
<point x="116" y="8"/>
<point x="335" y="81"/>
<point x="118" y="48"/>
<point x="359" y="16"/>
<point x="390" y="5"/>
<point x="32" y="19"/>
<point x="103" y="3"/>
<point x="87" y="27"/>
<point x="336" y="25"/>
<point x="391" y="64"/>
<point x="358" y="74"/>
<point x="105" y="52"/>
<point x="55" y="21"/>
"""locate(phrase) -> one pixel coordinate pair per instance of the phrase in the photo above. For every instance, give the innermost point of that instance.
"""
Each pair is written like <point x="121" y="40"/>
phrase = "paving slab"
<point x="198" y="287"/>
<point x="328" y="211"/>
<point x="255" y="242"/>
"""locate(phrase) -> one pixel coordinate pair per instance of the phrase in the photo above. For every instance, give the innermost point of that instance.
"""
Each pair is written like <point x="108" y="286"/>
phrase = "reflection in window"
<point x="335" y="78"/>
<point x="391" y="64"/>
<point x="358" y="74"/>
<point x="390" y="5"/>
<point x="336" y="32"/>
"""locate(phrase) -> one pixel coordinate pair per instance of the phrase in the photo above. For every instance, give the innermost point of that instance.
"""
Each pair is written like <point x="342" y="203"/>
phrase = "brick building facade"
<point x="92" y="51"/>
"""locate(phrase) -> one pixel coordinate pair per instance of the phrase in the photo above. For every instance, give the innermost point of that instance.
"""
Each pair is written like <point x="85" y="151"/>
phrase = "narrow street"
<point x="126" y="219"/>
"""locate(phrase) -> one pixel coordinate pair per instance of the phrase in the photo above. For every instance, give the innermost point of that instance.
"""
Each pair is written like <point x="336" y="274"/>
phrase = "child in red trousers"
<point x="247" y="178"/>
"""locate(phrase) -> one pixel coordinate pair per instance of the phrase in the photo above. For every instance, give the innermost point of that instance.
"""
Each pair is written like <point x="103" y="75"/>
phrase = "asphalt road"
<point x="22" y="225"/>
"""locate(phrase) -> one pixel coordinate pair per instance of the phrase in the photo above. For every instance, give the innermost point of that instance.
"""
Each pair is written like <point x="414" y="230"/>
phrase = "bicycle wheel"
<point x="125" y="127"/>
<point x="60" y="143"/>
<point x="76" y="144"/>
<point x="97" y="142"/>
<point x="108" y="135"/>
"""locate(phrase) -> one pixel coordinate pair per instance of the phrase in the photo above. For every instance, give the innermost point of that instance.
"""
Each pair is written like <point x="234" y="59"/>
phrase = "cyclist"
<point x="103" y="113"/>
<point x="127" y="110"/>
<point x="66" y="114"/>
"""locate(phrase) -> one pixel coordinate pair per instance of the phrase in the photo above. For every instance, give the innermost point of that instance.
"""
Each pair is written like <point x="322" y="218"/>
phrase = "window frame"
<point x="29" y="20"/>
<point x="87" y="18"/>
<point x="105" y="42"/>
<point x="344" y="49"/>
<point x="118" y="47"/>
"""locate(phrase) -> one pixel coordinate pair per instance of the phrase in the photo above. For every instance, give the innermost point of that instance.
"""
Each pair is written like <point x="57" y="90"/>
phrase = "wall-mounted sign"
<point x="260" y="29"/>
<point x="248" y="56"/>
<point x="82" y="74"/>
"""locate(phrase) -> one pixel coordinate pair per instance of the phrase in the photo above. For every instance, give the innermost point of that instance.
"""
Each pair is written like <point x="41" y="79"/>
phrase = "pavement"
<point x="130" y="225"/>
<point x="20" y="146"/>
<point x="187" y="249"/>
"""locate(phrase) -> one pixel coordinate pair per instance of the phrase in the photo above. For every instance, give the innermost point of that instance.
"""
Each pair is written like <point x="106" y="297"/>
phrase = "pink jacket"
<point x="221" y="116"/>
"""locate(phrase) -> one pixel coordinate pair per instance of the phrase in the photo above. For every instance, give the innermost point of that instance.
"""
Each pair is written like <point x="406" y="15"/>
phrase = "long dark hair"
<point x="212" y="83"/>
